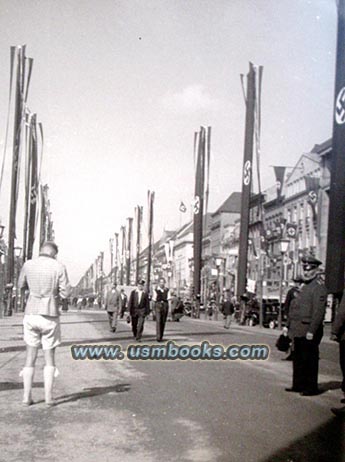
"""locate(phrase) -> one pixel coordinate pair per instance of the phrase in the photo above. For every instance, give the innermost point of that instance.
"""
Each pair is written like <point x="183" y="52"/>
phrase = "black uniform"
<point x="310" y="312"/>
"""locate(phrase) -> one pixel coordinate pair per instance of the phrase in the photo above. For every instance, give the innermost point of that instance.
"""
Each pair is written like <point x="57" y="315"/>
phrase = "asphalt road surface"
<point x="174" y="411"/>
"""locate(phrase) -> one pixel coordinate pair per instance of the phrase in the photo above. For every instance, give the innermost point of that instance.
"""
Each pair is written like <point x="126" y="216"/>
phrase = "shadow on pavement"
<point x="4" y="386"/>
<point x="323" y="387"/>
<point x="325" y="444"/>
<point x="94" y="391"/>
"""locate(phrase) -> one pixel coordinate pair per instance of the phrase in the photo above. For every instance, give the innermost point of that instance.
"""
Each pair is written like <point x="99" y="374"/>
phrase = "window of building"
<point x="301" y="211"/>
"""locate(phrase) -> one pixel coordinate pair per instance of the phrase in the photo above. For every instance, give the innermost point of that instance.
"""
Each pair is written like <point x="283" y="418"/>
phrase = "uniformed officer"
<point x="291" y="311"/>
<point x="310" y="306"/>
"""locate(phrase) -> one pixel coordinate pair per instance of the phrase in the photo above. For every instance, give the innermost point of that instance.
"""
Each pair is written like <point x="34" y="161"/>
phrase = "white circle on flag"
<point x="291" y="231"/>
<point x="247" y="172"/>
<point x="340" y="107"/>
<point x="313" y="196"/>
<point x="196" y="205"/>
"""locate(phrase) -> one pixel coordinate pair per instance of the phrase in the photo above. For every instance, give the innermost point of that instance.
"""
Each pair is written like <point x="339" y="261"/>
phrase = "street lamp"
<point x="283" y="247"/>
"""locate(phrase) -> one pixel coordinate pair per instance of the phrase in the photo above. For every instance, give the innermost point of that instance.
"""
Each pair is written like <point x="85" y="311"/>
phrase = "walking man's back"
<point x="47" y="281"/>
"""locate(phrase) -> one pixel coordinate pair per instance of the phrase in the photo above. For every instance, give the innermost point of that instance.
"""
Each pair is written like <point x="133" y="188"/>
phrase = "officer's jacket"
<point x="311" y="307"/>
<point x="338" y="327"/>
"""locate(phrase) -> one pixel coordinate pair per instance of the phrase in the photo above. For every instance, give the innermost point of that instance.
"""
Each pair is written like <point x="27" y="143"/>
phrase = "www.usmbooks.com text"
<point x="171" y="351"/>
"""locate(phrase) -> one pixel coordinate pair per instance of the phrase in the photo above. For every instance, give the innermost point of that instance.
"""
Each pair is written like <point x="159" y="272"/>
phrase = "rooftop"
<point x="231" y="205"/>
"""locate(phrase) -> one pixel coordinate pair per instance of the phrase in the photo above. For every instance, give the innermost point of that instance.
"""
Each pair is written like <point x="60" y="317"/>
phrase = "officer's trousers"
<point x="305" y="365"/>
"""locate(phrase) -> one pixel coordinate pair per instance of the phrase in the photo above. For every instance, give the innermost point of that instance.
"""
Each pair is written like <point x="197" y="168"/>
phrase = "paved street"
<point x="167" y="410"/>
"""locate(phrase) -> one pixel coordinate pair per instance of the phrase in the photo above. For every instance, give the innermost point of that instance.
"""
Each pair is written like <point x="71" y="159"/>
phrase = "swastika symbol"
<point x="312" y="196"/>
<point x="247" y="172"/>
<point x="291" y="231"/>
<point x="196" y="205"/>
<point x="340" y="107"/>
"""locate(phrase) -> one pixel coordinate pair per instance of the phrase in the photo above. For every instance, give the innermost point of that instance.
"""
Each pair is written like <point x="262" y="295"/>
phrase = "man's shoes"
<point x="310" y="393"/>
<point x="51" y="403"/>
<point x="295" y="390"/>
<point x="28" y="402"/>
<point x="339" y="412"/>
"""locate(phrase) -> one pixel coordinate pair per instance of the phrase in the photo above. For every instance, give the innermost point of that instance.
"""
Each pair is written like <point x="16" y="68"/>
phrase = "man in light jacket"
<point x="47" y="281"/>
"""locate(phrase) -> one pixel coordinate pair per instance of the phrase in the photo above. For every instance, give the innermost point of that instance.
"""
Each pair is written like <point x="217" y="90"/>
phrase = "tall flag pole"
<point x="43" y="224"/>
<point x="111" y="251"/>
<point x="246" y="182"/>
<point x="123" y="252"/>
<point x="151" y="198"/>
<point x="13" y="51"/>
<point x="116" y="256"/>
<point x="33" y="188"/>
<point x="139" y="214"/>
<point x="198" y="209"/>
<point x="28" y="141"/>
<point x="129" y="251"/>
<point x="17" y="135"/>
<point x="336" y="218"/>
<point x="207" y="168"/>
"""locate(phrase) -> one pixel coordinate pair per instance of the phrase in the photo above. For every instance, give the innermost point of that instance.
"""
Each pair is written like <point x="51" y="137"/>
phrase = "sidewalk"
<point x="260" y="330"/>
<point x="11" y="329"/>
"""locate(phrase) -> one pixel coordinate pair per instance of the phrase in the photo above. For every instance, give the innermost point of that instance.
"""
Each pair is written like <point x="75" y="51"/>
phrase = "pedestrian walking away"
<point x="112" y="306"/>
<point x="139" y="308"/>
<point x="338" y="334"/>
<point x="47" y="281"/>
<point x="308" y="326"/>
<point x="228" y="311"/>
<point x="161" y="297"/>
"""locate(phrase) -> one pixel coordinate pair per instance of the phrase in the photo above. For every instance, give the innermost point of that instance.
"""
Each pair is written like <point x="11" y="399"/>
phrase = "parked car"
<point x="270" y="311"/>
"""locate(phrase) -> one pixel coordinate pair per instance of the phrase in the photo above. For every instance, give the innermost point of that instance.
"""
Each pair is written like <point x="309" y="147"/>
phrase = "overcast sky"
<point x="120" y="86"/>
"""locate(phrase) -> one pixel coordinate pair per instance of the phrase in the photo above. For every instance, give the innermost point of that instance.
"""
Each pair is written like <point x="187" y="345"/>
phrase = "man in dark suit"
<point x="123" y="302"/>
<point x="161" y="297"/>
<point x="112" y="305"/>
<point x="310" y="312"/>
<point x="139" y="308"/>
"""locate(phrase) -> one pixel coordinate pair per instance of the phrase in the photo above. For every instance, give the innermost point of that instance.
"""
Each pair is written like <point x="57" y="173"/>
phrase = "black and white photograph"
<point x="172" y="230"/>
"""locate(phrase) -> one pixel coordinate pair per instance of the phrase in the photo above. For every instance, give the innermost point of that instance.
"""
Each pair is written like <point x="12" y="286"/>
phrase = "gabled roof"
<point x="231" y="205"/>
<point x="322" y="148"/>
